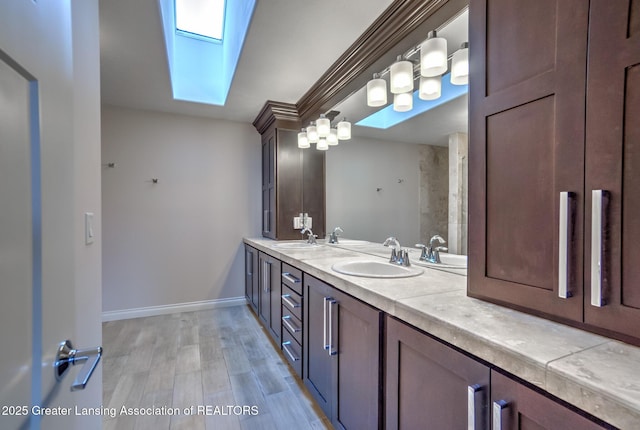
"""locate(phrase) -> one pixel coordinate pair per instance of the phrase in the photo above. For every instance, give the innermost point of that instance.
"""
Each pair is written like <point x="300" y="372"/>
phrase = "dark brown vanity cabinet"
<point x="342" y="356"/>
<point x="292" y="178"/>
<point x="428" y="382"/>
<point x="252" y="277"/>
<point x="538" y="69"/>
<point x="270" y="290"/>
<point x="517" y="407"/>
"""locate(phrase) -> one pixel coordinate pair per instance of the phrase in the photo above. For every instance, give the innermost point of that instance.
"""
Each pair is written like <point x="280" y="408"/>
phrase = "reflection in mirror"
<point x="408" y="180"/>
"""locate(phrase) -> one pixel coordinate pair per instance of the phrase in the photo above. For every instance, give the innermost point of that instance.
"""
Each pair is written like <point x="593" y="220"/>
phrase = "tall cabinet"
<point x="292" y="178"/>
<point x="538" y="240"/>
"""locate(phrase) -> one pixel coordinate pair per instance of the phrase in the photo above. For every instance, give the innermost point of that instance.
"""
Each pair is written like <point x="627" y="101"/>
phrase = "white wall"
<point x="180" y="240"/>
<point x="355" y="170"/>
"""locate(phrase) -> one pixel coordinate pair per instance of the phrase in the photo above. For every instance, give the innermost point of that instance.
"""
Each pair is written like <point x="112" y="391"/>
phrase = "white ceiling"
<point x="289" y="46"/>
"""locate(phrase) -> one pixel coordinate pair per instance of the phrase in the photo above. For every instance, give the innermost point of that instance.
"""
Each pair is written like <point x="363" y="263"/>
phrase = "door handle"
<point x="599" y="206"/>
<point x="567" y="213"/>
<point x="68" y="356"/>
<point x="499" y="408"/>
<point x="331" y="350"/>
<point x="474" y="406"/>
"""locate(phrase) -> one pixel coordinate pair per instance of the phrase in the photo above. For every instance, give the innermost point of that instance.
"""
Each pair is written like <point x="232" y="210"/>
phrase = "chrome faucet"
<point x="399" y="256"/>
<point x="431" y="253"/>
<point x="311" y="238"/>
<point x="333" y="237"/>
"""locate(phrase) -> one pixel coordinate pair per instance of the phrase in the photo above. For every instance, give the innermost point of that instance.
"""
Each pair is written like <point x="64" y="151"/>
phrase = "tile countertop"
<point x="594" y="373"/>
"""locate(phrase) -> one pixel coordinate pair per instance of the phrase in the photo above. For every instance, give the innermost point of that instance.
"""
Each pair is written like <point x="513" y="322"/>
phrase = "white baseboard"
<point x="171" y="309"/>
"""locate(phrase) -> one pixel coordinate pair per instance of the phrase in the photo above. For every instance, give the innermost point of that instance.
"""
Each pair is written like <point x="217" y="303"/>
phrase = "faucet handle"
<point x="405" y="258"/>
<point x="424" y="255"/>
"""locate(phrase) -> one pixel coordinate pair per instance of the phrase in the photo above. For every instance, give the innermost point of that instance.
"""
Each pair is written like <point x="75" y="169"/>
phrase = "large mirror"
<point x="408" y="180"/>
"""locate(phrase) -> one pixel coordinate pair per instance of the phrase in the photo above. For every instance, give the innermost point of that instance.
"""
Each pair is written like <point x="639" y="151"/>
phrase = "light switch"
<point x="89" y="233"/>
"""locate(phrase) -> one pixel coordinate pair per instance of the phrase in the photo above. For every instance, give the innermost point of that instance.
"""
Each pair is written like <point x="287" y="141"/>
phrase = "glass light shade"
<point x="460" y="66"/>
<point x="403" y="102"/>
<point x="430" y="88"/>
<point x="312" y="133"/>
<point x="344" y="130"/>
<point x="323" y="125"/>
<point x="376" y="92"/>
<point x="322" y="144"/>
<point x="303" y="141"/>
<point x="433" y="56"/>
<point x="332" y="139"/>
<point x="401" y="80"/>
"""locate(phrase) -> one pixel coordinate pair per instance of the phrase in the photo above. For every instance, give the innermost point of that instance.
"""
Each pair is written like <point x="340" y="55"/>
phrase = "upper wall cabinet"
<point x="534" y="162"/>
<point x="292" y="180"/>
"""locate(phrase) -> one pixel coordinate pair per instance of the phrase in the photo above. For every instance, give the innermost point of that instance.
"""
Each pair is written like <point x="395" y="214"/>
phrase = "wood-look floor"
<point x="221" y="357"/>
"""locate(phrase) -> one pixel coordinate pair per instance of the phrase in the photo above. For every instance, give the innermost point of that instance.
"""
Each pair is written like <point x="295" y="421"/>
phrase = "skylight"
<point x="203" y="18"/>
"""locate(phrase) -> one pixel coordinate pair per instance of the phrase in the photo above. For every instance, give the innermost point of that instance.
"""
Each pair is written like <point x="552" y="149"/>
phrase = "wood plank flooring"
<point x="221" y="357"/>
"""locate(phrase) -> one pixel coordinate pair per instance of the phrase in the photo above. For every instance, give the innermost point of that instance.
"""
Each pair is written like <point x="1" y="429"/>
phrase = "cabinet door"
<point x="270" y="292"/>
<point x="317" y="368"/>
<point x="613" y="164"/>
<point x="428" y="382"/>
<point x="252" y="277"/>
<point x="354" y="345"/>
<point x="268" y="185"/>
<point x="527" y="98"/>
<point x="516" y="407"/>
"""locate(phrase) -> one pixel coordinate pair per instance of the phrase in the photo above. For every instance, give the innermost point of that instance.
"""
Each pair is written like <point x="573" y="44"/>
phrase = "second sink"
<point x="375" y="269"/>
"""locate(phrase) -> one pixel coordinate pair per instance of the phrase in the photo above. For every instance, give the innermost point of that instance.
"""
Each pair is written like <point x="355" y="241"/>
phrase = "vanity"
<point x="418" y="349"/>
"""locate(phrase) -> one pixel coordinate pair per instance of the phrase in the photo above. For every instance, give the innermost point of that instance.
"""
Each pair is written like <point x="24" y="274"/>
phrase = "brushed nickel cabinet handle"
<point x="287" y="299"/>
<point x="599" y="203"/>
<point x="474" y="403"/>
<point x="564" y="242"/>
<point x="286" y="320"/>
<point x="285" y="346"/>
<point x="331" y="350"/>
<point x="289" y="277"/>
<point x="499" y="407"/>
<point x="324" y="325"/>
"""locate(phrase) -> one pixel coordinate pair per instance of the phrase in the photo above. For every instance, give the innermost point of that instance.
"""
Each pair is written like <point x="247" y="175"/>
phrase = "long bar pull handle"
<point x="331" y="350"/>
<point x="474" y="406"/>
<point x="287" y="299"/>
<point x="267" y="276"/>
<point x="289" y="277"/>
<point x="324" y="326"/>
<point x="265" y="220"/>
<point x="564" y="241"/>
<point x="285" y="346"/>
<point x="499" y="407"/>
<point x="599" y="202"/>
<point x="286" y="320"/>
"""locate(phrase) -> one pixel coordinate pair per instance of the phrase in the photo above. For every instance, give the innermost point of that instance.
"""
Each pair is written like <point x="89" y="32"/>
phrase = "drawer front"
<point x="292" y="301"/>
<point x="292" y="351"/>
<point x="292" y="323"/>
<point x="292" y="278"/>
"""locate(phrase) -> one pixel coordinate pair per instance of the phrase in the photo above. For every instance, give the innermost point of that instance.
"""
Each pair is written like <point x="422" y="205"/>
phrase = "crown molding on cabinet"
<point x="284" y="115"/>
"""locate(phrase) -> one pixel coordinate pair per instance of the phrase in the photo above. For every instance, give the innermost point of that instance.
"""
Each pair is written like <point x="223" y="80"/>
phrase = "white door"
<point x="49" y="177"/>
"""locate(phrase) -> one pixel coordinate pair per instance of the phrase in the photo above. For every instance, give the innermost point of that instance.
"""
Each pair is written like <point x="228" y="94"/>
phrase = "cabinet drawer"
<point x="292" y="351"/>
<point x="292" y="301"/>
<point x="292" y="278"/>
<point x="293" y="324"/>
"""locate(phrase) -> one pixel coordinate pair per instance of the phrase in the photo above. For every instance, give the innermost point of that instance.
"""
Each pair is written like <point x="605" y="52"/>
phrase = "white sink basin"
<point x="296" y="245"/>
<point x="449" y="261"/>
<point x="375" y="269"/>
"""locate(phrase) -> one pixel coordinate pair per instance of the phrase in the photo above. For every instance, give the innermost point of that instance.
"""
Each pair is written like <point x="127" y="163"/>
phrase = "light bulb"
<point x="376" y="91"/>
<point x="344" y="130"/>
<point x="460" y="65"/>
<point x="403" y="102"/>
<point x="433" y="56"/>
<point x="322" y="144"/>
<point x="323" y="125"/>
<point x="303" y="141"/>
<point x="312" y="133"/>
<point x="332" y="139"/>
<point x="430" y="88"/>
<point x="401" y="80"/>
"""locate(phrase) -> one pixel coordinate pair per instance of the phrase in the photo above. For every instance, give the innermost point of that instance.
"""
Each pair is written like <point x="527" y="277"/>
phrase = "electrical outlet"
<point x="297" y="223"/>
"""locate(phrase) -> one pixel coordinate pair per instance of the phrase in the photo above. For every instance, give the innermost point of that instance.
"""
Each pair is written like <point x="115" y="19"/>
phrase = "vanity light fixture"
<point x="344" y="130"/>
<point x="323" y="126"/>
<point x="403" y="102"/>
<point x="322" y="144"/>
<point x="460" y="65"/>
<point x="332" y="139"/>
<point x="303" y="141"/>
<point x="433" y="55"/>
<point x="376" y="91"/>
<point x="312" y="133"/>
<point x="401" y="80"/>
<point x="430" y="88"/>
